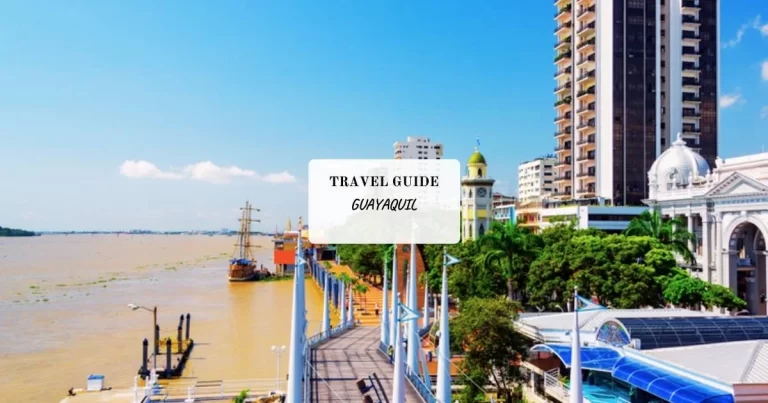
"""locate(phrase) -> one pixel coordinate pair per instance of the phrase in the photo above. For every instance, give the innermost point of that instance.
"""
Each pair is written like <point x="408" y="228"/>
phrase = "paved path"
<point x="340" y="362"/>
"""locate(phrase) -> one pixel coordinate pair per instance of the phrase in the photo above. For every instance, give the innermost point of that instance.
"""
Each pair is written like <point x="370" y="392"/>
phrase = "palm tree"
<point x="361" y="289"/>
<point x="510" y="248"/>
<point x="670" y="232"/>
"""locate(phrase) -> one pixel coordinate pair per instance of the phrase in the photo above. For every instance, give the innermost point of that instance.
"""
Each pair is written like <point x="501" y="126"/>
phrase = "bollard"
<point x="168" y="358"/>
<point x="144" y="356"/>
<point x="187" y="326"/>
<point x="157" y="339"/>
<point x="178" y="337"/>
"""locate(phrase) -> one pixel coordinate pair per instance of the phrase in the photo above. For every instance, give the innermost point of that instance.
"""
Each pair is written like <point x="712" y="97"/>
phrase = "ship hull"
<point x="238" y="272"/>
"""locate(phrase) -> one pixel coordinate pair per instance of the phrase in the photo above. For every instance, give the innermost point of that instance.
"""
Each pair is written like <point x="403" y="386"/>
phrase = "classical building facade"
<point x="476" y="198"/>
<point x="726" y="207"/>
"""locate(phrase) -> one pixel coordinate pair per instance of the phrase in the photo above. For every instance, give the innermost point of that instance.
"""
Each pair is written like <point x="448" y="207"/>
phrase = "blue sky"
<point x="195" y="88"/>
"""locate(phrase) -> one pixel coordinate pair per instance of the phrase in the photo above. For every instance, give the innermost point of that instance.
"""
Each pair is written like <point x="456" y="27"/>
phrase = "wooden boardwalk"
<point x="340" y="362"/>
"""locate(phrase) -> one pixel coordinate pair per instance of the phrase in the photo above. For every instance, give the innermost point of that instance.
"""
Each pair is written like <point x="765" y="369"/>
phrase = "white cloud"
<point x="280" y="177"/>
<point x="764" y="70"/>
<point x="753" y="24"/>
<point x="144" y="169"/>
<point x="205" y="171"/>
<point x="764" y="112"/>
<point x="728" y="100"/>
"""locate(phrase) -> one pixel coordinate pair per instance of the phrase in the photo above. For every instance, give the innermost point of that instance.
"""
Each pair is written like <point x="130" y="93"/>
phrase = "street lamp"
<point x="278" y="351"/>
<point x="135" y="307"/>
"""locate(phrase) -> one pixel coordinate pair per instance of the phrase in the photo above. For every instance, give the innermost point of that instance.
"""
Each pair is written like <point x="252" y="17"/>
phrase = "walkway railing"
<point x="311" y="343"/>
<point x="414" y="380"/>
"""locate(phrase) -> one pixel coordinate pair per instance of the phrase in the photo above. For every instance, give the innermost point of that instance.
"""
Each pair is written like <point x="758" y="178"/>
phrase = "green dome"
<point x="476" y="158"/>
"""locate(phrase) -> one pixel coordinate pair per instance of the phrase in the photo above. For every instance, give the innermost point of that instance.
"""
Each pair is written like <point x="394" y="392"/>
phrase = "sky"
<point x="170" y="115"/>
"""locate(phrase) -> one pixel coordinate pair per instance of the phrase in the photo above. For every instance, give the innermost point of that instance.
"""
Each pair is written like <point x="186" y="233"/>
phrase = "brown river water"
<point x="64" y="314"/>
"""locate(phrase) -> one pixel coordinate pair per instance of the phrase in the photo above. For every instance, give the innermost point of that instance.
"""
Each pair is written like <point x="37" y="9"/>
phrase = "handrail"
<point x="313" y="341"/>
<point x="415" y="381"/>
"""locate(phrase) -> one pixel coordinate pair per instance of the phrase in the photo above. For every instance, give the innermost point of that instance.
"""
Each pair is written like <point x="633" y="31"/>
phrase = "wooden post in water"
<point x="168" y="357"/>
<point x="144" y="355"/>
<point x="178" y="337"/>
<point x="187" y="326"/>
<point x="157" y="340"/>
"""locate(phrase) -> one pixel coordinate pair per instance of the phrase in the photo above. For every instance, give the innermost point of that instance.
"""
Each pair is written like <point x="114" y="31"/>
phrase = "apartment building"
<point x="420" y="148"/>
<point x="690" y="60"/>
<point x="535" y="179"/>
<point x="630" y="74"/>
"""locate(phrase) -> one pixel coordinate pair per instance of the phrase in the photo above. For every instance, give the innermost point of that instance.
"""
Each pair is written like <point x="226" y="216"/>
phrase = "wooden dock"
<point x="340" y="362"/>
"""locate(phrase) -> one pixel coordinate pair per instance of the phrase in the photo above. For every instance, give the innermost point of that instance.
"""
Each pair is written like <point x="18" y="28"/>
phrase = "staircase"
<point x="365" y="306"/>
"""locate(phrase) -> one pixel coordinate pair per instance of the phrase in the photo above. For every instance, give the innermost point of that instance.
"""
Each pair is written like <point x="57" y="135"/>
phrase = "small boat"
<point x="242" y="266"/>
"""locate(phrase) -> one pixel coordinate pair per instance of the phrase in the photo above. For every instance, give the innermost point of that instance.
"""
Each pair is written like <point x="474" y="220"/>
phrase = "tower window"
<point x="480" y="172"/>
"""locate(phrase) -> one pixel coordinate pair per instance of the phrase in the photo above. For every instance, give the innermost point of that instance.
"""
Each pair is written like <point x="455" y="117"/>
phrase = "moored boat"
<point x="242" y="266"/>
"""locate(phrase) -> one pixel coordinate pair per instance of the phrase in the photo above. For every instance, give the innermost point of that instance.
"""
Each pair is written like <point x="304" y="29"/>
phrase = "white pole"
<point x="576" y="395"/>
<point x="413" y="338"/>
<point x="398" y="383"/>
<point x="395" y="298"/>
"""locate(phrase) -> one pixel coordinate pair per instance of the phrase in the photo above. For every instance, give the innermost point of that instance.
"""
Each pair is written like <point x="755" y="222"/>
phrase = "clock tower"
<point x="476" y="197"/>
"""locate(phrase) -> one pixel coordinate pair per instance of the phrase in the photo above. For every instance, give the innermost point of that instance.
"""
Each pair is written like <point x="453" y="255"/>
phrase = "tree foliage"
<point x="15" y="232"/>
<point x="670" y="232"/>
<point x="492" y="348"/>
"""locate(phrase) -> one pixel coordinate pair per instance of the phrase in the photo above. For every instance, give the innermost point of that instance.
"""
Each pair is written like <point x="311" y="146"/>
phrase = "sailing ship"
<point x="243" y="267"/>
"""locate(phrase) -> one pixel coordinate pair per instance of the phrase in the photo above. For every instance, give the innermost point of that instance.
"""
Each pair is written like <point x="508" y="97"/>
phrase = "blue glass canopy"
<point x="592" y="358"/>
<point x="657" y="381"/>
<point x="666" y="385"/>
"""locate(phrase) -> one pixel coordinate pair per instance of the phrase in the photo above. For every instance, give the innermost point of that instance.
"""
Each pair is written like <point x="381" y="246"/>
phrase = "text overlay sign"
<point x="384" y="201"/>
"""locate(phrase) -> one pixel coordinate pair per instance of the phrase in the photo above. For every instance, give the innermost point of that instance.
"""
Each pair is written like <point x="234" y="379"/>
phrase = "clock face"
<point x="481" y="192"/>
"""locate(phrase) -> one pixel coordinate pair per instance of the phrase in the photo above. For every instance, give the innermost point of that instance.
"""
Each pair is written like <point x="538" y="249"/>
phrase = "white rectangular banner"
<point x="384" y="201"/>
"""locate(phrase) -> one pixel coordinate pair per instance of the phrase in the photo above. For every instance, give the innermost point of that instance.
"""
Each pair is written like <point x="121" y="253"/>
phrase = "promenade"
<point x="338" y="363"/>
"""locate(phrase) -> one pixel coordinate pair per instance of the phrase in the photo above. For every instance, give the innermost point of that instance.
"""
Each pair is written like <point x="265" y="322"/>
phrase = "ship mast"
<point x="244" y="242"/>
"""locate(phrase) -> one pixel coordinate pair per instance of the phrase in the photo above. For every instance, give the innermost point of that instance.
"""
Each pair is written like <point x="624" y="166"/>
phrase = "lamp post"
<point x="135" y="307"/>
<point x="278" y="351"/>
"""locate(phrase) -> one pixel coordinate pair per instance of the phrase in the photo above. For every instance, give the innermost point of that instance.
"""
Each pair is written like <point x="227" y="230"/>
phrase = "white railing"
<point x="554" y="387"/>
<point x="212" y="389"/>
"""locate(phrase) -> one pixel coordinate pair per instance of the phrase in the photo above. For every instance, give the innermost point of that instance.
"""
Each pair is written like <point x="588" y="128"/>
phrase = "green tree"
<point x="242" y="397"/>
<point x="670" y="232"/>
<point x="722" y="297"/>
<point x="511" y="249"/>
<point x="492" y="347"/>
<point x="361" y="289"/>
<point x="685" y="291"/>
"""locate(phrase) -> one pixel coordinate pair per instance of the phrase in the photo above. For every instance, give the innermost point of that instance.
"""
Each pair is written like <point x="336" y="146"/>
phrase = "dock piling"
<point x="187" y="326"/>
<point x="157" y="340"/>
<point x="144" y="355"/>
<point x="168" y="369"/>
<point x="178" y="338"/>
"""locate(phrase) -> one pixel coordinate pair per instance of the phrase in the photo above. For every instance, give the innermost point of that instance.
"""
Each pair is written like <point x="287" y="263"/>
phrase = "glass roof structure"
<point x="592" y="358"/>
<point x="655" y="380"/>
<point x="666" y="385"/>
<point x="691" y="331"/>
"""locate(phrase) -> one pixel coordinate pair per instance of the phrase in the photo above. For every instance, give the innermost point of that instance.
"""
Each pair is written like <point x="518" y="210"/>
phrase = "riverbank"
<point x="85" y="326"/>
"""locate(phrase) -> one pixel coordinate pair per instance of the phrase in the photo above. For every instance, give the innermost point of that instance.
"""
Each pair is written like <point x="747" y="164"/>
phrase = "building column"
<point x="474" y="221"/>
<point x="706" y="247"/>
<point x="719" y="250"/>
<point x="689" y="220"/>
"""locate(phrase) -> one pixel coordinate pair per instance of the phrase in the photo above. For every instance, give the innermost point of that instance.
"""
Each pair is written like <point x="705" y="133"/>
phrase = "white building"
<point x="605" y="218"/>
<point x="535" y="179"/>
<point x="726" y="207"/>
<point x="418" y="148"/>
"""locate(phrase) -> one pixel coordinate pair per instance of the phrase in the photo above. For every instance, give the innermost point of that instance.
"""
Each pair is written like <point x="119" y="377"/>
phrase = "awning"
<point x="592" y="358"/>
<point x="666" y="385"/>
<point x="657" y="381"/>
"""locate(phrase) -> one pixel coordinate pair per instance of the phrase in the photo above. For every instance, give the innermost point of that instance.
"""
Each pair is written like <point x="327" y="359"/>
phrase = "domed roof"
<point x="476" y="158"/>
<point x="677" y="164"/>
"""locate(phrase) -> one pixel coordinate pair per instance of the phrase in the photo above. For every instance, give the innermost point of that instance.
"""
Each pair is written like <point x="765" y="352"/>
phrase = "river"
<point x="64" y="314"/>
